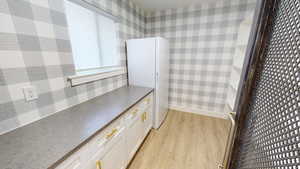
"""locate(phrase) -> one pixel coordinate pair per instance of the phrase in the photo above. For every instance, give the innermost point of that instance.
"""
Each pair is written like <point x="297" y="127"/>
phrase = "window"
<point x="93" y="38"/>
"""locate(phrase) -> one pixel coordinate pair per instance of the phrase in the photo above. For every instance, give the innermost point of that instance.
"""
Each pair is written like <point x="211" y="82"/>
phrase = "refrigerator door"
<point x="141" y="62"/>
<point x="162" y="81"/>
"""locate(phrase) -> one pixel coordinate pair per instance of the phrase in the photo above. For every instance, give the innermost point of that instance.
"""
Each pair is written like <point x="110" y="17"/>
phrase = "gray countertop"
<point x="44" y="143"/>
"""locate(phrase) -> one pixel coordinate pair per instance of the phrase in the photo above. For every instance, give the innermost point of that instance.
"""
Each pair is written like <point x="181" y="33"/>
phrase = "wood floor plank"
<point x="184" y="141"/>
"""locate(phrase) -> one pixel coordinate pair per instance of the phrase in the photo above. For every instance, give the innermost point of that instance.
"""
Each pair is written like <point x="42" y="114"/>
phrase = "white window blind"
<point x="93" y="38"/>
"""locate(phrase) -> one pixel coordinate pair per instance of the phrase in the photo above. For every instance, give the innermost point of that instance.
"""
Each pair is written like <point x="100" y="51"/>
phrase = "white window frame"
<point x="94" y="74"/>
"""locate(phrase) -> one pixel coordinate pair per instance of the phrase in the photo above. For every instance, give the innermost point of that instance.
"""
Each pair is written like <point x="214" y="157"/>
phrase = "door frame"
<point x="252" y="65"/>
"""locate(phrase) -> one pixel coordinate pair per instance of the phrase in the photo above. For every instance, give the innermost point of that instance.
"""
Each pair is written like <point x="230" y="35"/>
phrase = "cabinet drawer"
<point x="100" y="144"/>
<point x="76" y="160"/>
<point x="136" y="111"/>
<point x="134" y="137"/>
<point x="105" y="138"/>
<point x="132" y="115"/>
<point x="113" y="158"/>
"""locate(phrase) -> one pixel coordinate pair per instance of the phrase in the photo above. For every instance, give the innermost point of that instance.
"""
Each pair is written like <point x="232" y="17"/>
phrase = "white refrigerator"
<point x="148" y="66"/>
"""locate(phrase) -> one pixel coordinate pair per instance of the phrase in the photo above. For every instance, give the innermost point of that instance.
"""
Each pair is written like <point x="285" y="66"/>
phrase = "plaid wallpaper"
<point x="238" y="61"/>
<point x="35" y="50"/>
<point x="202" y="41"/>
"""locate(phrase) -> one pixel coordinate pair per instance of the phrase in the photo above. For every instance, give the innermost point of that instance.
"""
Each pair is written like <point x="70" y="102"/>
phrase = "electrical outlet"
<point x="30" y="93"/>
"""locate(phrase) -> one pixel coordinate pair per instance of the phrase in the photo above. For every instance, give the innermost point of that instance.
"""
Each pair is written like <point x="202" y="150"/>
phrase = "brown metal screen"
<point x="270" y="138"/>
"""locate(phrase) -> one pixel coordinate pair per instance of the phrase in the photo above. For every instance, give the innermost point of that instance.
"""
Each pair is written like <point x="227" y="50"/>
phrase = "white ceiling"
<point x="152" y="5"/>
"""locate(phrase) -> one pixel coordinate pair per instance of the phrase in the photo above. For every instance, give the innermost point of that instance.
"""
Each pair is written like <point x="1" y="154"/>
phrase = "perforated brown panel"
<point x="271" y="136"/>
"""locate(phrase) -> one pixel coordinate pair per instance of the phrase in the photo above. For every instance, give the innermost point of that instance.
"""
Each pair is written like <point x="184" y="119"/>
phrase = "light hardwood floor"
<point x="184" y="141"/>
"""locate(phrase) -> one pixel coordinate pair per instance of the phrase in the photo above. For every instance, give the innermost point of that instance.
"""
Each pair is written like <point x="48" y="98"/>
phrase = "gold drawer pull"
<point x="111" y="134"/>
<point x="144" y="116"/>
<point x="98" y="164"/>
<point x="134" y="112"/>
<point x="148" y="100"/>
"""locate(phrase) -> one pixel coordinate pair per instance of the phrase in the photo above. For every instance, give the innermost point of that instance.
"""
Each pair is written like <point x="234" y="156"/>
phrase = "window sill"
<point x="94" y="75"/>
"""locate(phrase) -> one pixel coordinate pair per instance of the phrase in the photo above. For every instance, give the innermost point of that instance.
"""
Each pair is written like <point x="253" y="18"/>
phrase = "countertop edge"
<point x="80" y="145"/>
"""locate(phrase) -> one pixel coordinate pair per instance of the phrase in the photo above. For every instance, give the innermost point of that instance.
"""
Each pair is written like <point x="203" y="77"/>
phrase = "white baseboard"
<point x="199" y="111"/>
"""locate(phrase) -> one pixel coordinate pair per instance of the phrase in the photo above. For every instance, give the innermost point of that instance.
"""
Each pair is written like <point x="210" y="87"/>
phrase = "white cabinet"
<point x="111" y="158"/>
<point x="115" y="146"/>
<point x="139" y="123"/>
<point x="134" y="135"/>
<point x="115" y="158"/>
<point x="75" y="161"/>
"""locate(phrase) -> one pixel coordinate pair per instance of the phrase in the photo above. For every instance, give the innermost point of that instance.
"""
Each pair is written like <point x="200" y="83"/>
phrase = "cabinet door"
<point x="115" y="158"/>
<point x="112" y="158"/>
<point x="134" y="137"/>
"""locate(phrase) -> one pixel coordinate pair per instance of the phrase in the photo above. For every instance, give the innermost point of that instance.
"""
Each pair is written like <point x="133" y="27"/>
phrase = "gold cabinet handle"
<point x="134" y="112"/>
<point x="98" y="164"/>
<point x="148" y="100"/>
<point x="144" y="116"/>
<point x="111" y="134"/>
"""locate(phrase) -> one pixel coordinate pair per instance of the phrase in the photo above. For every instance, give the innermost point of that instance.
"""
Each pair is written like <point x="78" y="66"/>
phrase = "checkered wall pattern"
<point x="239" y="57"/>
<point x="202" y="41"/>
<point x="35" y="50"/>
